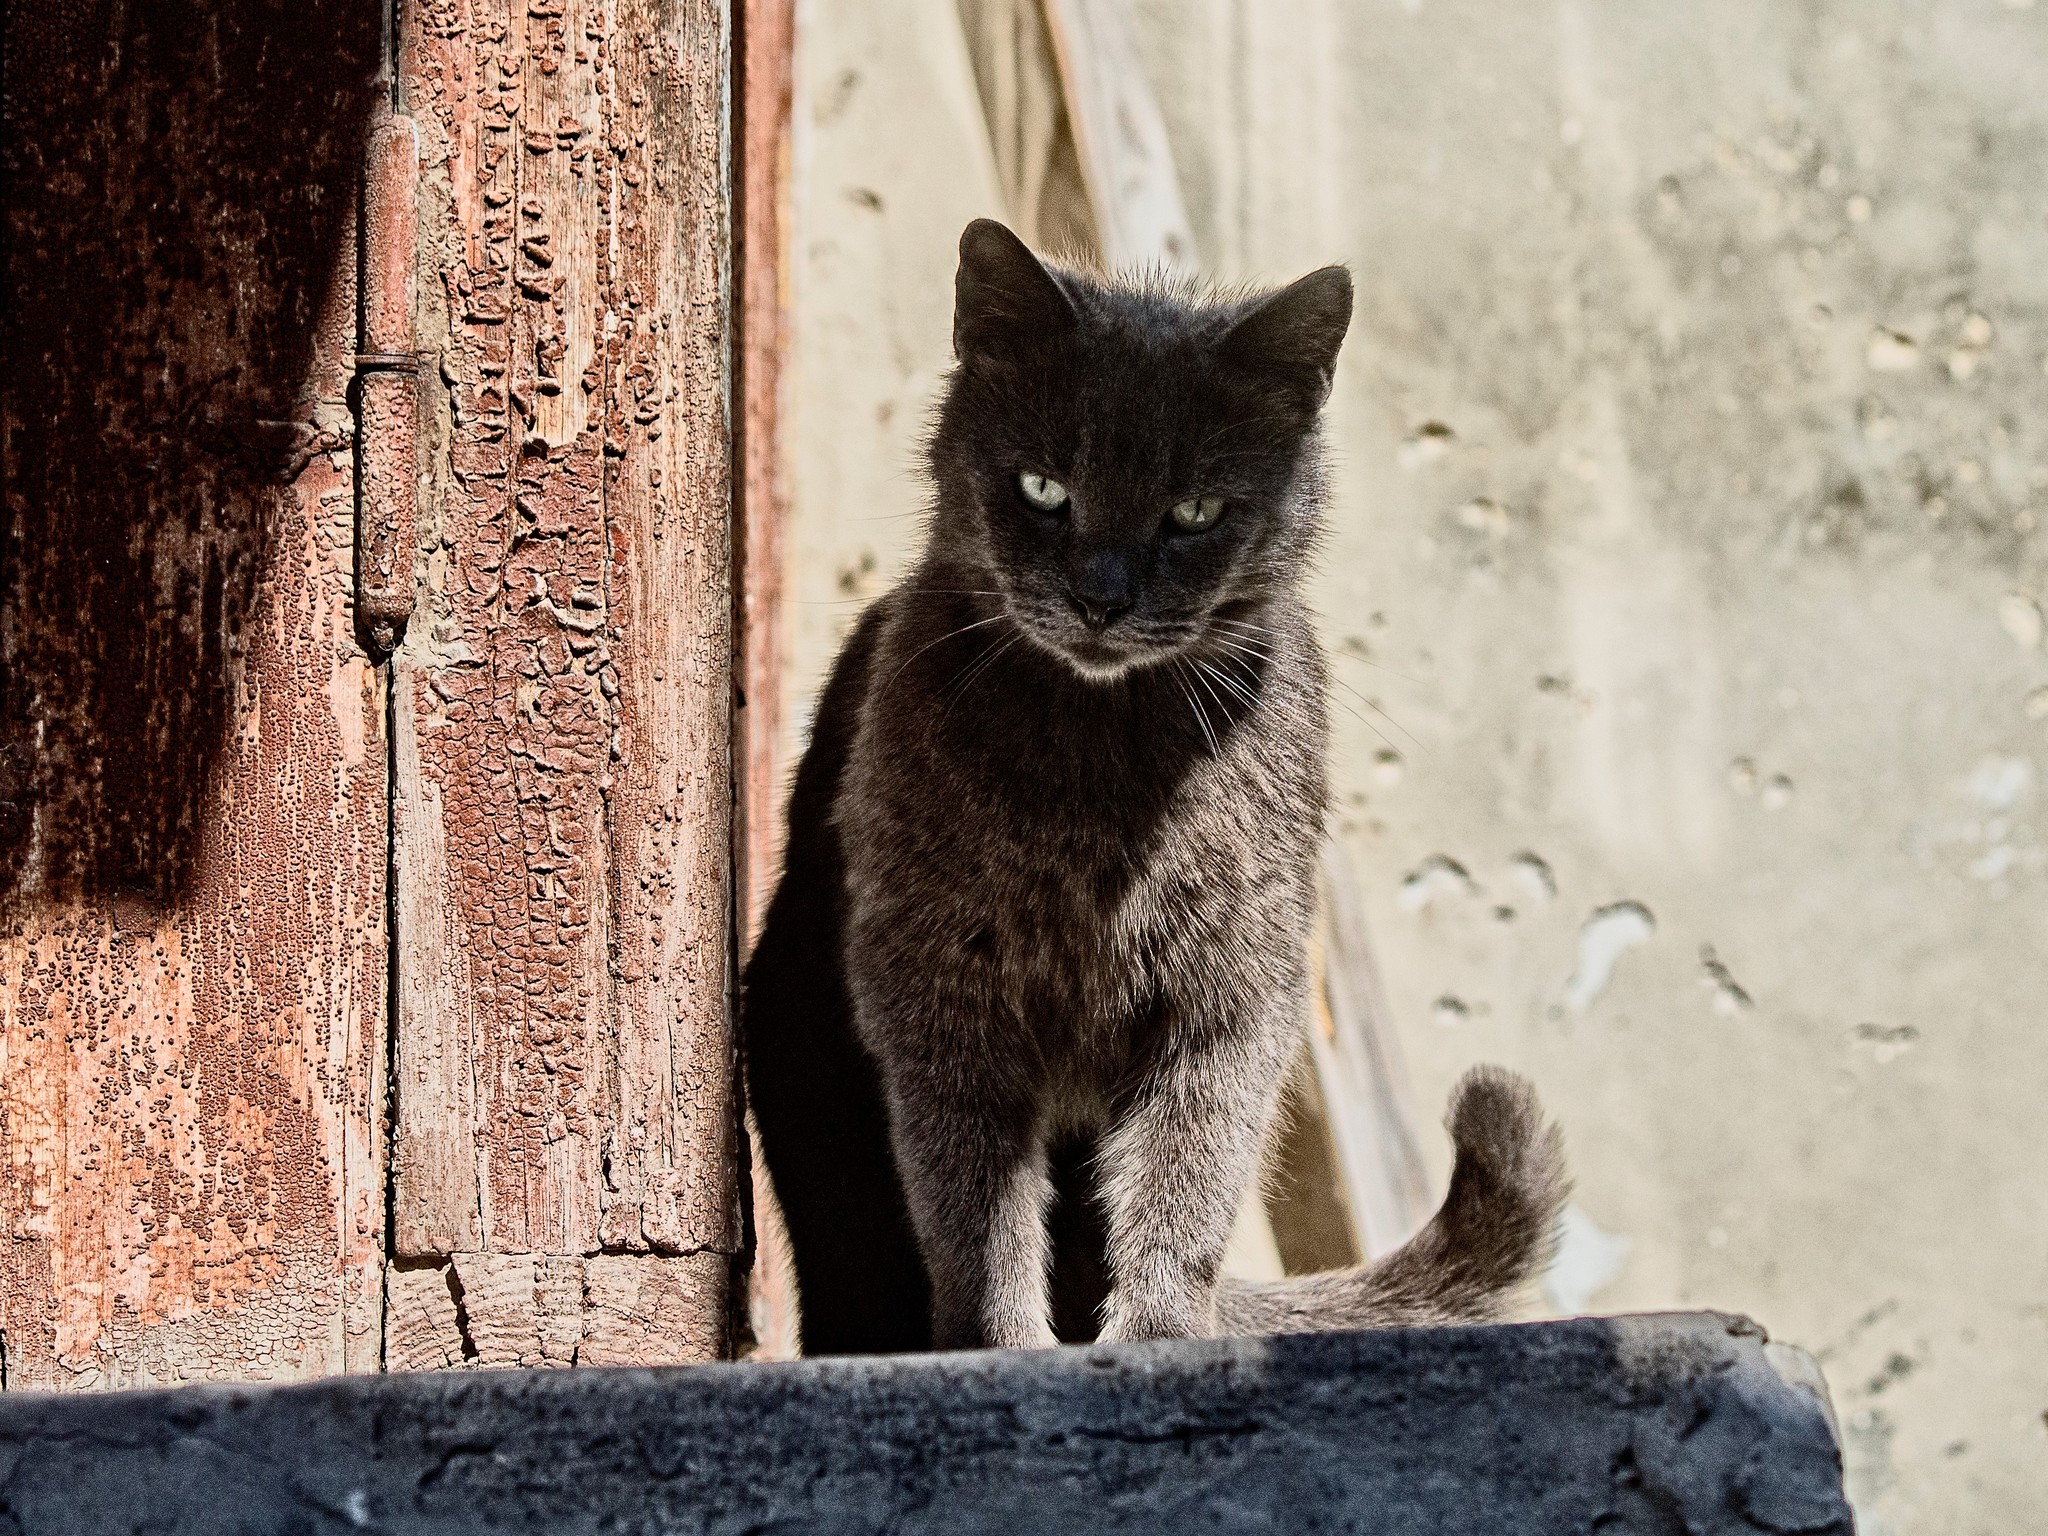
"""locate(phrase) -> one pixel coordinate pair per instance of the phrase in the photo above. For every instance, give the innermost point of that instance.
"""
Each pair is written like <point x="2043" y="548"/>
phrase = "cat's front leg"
<point x="1174" y="1168"/>
<point x="973" y="1162"/>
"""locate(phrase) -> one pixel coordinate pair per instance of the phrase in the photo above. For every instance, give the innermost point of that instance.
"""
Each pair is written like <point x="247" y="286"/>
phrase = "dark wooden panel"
<point x="192" y="753"/>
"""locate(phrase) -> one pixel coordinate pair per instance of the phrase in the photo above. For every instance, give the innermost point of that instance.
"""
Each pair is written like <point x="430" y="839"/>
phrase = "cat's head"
<point x="1129" y="463"/>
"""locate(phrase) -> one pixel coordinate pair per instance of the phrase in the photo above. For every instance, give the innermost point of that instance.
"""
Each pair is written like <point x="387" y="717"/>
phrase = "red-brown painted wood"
<point x="564" y="1058"/>
<point x="192" y="753"/>
<point x="762" y="194"/>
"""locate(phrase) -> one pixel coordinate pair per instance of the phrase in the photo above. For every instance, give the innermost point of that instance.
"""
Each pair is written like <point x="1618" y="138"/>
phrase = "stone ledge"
<point x="1678" y="1423"/>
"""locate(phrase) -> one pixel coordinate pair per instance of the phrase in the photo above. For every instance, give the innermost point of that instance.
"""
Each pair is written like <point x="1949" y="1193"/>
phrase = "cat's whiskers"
<point x="1343" y="654"/>
<point x="1340" y="682"/>
<point x="963" y="629"/>
<point x="1248" y="650"/>
<point x="1249" y="633"/>
<point x="824" y="602"/>
<point x="1223" y="677"/>
<point x="975" y="670"/>
<point x="1239" y="653"/>
<point x="1201" y="677"/>
<point x="1237" y="658"/>
<point x="1246" y="647"/>
<point x="1374" y="706"/>
<point x="975" y="661"/>
<point x="1194" y="704"/>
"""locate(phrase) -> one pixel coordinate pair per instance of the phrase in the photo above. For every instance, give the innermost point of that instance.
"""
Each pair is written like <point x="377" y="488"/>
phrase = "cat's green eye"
<point x="1044" y="493"/>
<point x="1197" y="513"/>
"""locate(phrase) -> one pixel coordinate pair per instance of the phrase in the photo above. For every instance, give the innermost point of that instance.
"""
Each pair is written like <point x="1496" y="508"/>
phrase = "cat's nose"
<point x="1102" y="590"/>
<point x="1099" y="615"/>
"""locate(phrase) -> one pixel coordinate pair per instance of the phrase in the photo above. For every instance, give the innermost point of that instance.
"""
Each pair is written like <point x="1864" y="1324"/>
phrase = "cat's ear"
<point x="1003" y="298"/>
<point x="1295" y="333"/>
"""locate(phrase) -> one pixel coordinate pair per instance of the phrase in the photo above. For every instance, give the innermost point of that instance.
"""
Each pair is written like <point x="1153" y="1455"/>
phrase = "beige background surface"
<point x="1691" y="465"/>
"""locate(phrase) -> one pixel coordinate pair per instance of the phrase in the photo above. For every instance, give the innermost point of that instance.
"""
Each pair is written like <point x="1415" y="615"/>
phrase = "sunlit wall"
<point x="1686" y="578"/>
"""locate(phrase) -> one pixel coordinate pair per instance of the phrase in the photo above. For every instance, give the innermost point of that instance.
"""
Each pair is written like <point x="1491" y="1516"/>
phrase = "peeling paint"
<point x="1607" y="935"/>
<point x="1728" y="994"/>
<point x="192" y="787"/>
<point x="565" y="1062"/>
<point x="1438" y="875"/>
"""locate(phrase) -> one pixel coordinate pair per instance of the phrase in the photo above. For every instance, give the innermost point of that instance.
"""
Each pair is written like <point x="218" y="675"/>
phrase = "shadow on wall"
<point x="179" y="189"/>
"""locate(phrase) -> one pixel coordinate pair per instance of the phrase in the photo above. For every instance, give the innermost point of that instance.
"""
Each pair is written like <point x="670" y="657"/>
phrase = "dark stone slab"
<point x="1676" y="1424"/>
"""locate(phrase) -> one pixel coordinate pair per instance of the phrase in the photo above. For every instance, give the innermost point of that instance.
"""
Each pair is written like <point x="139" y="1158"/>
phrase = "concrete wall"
<point x="1688" y="571"/>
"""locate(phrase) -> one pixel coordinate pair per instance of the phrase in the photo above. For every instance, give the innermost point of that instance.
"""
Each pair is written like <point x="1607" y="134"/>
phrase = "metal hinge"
<point x="385" y="390"/>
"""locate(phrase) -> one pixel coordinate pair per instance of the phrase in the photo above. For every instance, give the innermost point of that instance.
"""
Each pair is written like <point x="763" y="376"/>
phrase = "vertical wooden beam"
<point x="672" y="1160"/>
<point x="504" y="728"/>
<point x="461" y="84"/>
<point x="564" y="1051"/>
<point x="765" y="39"/>
<point x="764" y="43"/>
<point x="539" y="1074"/>
<point x="1363" y="1078"/>
<point x="1126" y="158"/>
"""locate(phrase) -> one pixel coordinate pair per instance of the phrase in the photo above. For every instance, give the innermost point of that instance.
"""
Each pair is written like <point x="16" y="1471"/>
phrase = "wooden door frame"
<point x="192" y="754"/>
<point x="575" y="1195"/>
<point x="765" y="46"/>
<point x="566" y="1157"/>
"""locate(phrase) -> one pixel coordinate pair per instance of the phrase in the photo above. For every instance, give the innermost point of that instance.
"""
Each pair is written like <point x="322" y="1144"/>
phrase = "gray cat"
<point x="1018" y="1019"/>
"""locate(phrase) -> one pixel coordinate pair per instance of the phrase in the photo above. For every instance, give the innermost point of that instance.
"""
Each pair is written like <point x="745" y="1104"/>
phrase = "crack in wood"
<point x="565" y="1057"/>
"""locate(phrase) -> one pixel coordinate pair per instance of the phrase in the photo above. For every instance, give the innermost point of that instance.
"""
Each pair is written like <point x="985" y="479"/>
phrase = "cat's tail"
<point x="1494" y="1232"/>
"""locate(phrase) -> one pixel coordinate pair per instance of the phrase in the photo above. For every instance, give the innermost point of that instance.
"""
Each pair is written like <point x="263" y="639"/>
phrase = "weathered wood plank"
<point x="520" y="1309"/>
<point x="763" y="189"/>
<point x="506" y="727"/>
<point x="672" y="1159"/>
<point x="461" y="86"/>
<point x="192" y="933"/>
<point x="1363" y="1079"/>
<point x="565" y="1065"/>
<point x="653" y="1310"/>
<point x="1126" y="158"/>
<point x="504" y="1310"/>
<point x="1030" y="127"/>
<point x="1305" y="1203"/>
<point x="540" y="1067"/>
<point x="422" y="1329"/>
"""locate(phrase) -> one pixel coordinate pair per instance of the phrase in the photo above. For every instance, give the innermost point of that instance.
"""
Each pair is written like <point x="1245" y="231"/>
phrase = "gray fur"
<point x="1072" y="860"/>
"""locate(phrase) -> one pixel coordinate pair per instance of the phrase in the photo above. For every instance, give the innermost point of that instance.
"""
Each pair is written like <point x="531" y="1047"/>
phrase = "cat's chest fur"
<point x="1073" y="861"/>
